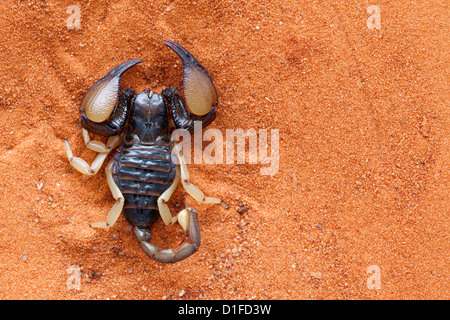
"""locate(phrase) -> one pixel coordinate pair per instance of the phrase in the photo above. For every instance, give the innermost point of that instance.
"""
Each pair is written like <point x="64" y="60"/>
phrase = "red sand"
<point x="364" y="151"/>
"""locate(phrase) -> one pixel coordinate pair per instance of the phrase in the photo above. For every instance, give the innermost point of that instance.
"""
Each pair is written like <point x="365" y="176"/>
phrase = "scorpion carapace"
<point x="142" y="175"/>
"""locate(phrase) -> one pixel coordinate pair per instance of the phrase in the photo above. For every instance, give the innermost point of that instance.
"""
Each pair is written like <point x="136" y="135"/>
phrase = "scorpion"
<point x="141" y="175"/>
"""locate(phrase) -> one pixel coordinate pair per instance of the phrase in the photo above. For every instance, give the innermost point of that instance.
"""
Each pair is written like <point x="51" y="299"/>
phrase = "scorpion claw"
<point x="101" y="99"/>
<point x="198" y="88"/>
<point x="169" y="256"/>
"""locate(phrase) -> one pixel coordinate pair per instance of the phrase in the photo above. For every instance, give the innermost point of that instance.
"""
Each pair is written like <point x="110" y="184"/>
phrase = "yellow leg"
<point x="98" y="146"/>
<point x="115" y="211"/>
<point x="103" y="150"/>
<point x="164" y="210"/>
<point x="191" y="189"/>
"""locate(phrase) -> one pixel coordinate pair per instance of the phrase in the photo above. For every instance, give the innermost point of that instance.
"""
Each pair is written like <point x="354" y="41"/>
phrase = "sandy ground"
<point x="363" y="124"/>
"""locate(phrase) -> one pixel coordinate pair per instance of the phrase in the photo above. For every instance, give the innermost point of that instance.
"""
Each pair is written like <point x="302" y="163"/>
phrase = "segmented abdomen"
<point x="142" y="174"/>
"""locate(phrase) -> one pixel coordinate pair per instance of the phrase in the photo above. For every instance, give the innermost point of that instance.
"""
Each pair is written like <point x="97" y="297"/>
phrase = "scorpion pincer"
<point x="142" y="175"/>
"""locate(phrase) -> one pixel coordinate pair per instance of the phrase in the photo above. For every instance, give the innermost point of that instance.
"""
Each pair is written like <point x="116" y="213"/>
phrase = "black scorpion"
<point x="142" y="175"/>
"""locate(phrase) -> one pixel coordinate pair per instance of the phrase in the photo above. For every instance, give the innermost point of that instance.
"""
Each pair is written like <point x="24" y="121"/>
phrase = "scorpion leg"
<point x="169" y="256"/>
<point x="191" y="189"/>
<point x="115" y="211"/>
<point x="164" y="210"/>
<point x="103" y="150"/>
<point x="98" y="146"/>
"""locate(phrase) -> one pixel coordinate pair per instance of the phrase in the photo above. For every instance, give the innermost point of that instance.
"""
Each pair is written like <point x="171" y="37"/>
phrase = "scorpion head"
<point x="148" y="119"/>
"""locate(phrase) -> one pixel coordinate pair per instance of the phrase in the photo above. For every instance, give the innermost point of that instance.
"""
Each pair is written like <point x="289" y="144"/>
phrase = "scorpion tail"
<point x="169" y="256"/>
